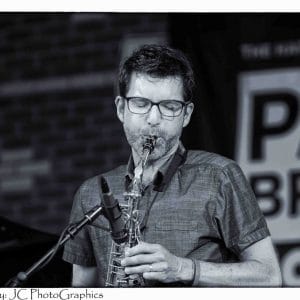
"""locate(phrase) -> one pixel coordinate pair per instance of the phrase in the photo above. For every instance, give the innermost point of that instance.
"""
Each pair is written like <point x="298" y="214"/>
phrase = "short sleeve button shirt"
<point x="199" y="206"/>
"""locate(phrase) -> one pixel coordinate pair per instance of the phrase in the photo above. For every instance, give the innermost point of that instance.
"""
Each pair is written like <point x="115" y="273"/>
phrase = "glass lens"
<point x="139" y="105"/>
<point x="171" y="108"/>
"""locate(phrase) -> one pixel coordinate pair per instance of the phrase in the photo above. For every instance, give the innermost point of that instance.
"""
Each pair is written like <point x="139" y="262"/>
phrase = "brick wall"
<point x="57" y="117"/>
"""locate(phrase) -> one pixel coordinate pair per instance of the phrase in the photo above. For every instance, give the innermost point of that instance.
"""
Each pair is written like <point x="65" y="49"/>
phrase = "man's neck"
<point x="151" y="169"/>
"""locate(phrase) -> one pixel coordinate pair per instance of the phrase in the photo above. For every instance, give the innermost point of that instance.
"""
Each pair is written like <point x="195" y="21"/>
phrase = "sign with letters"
<point x="268" y="151"/>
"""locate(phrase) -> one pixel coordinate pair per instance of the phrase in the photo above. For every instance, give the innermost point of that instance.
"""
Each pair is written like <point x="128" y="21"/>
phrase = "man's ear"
<point x="187" y="114"/>
<point x="120" y="104"/>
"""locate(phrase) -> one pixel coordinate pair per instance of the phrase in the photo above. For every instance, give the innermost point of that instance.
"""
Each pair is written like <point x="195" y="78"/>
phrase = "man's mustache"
<point x="156" y="132"/>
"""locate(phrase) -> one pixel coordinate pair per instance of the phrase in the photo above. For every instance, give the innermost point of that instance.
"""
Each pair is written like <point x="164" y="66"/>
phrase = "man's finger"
<point x="139" y="259"/>
<point x="155" y="267"/>
<point x="142" y="247"/>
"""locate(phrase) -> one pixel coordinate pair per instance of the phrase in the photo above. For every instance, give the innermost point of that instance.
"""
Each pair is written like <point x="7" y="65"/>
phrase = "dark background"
<point x="57" y="117"/>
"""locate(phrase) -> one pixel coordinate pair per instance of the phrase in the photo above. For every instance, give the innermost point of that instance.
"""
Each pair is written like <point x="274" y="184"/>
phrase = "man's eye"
<point x="171" y="105"/>
<point x="140" y="103"/>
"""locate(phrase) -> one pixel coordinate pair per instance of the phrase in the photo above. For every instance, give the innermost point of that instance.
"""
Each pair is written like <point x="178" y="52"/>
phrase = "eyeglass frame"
<point x="183" y="104"/>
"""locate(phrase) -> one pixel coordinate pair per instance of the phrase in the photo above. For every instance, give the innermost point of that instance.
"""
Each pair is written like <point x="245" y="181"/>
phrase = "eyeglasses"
<point x="168" y="108"/>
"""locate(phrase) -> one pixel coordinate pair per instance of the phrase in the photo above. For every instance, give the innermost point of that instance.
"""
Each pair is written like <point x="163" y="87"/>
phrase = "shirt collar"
<point x="164" y="174"/>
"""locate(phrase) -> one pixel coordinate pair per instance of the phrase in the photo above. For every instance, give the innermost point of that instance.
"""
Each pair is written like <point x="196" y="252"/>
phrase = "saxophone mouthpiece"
<point x="150" y="143"/>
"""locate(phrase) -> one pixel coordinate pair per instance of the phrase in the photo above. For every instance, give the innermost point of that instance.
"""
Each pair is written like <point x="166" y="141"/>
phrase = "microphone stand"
<point x="67" y="234"/>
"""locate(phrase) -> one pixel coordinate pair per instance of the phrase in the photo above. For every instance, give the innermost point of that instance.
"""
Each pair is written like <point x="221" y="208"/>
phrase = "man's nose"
<point x="154" y="116"/>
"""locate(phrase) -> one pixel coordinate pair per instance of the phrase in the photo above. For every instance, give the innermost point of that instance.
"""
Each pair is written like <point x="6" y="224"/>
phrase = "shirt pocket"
<point x="179" y="235"/>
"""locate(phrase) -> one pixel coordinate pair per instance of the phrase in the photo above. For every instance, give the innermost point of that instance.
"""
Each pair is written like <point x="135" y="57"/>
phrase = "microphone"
<point x="112" y="212"/>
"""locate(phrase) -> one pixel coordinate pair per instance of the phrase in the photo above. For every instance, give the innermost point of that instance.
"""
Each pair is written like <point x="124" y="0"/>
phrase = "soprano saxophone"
<point x="116" y="276"/>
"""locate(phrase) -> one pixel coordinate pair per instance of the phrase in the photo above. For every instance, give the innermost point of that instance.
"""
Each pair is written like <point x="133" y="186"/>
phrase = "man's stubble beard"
<point x="164" y="143"/>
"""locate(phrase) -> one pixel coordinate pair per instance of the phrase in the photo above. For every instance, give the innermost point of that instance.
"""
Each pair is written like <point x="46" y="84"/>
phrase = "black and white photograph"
<point x="149" y="149"/>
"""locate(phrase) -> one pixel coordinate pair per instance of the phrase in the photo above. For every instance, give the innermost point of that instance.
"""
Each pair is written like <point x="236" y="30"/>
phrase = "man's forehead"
<point x="155" y="88"/>
<point x="143" y="81"/>
<point x="166" y="87"/>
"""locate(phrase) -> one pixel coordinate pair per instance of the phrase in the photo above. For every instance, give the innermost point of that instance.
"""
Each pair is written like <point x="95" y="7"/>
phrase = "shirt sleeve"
<point x="241" y="222"/>
<point x="79" y="249"/>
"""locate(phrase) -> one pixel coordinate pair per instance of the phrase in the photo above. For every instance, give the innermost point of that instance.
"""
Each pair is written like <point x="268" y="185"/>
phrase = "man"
<point x="201" y="223"/>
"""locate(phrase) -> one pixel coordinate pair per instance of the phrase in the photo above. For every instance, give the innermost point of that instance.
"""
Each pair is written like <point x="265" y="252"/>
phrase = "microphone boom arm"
<point x="67" y="234"/>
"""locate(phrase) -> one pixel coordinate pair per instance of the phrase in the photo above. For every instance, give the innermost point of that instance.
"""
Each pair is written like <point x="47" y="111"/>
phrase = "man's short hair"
<point x="157" y="61"/>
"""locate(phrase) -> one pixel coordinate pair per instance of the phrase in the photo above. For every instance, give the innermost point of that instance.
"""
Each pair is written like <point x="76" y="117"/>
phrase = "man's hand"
<point x="156" y="263"/>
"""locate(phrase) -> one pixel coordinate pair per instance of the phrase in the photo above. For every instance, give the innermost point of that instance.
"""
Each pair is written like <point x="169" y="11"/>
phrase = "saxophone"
<point x="116" y="276"/>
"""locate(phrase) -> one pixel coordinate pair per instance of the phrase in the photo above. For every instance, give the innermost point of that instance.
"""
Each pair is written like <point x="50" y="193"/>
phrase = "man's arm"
<point x="258" y="266"/>
<point x="84" y="276"/>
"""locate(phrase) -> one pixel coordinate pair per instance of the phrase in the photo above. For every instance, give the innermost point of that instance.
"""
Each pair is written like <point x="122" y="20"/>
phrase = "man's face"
<point x="138" y="127"/>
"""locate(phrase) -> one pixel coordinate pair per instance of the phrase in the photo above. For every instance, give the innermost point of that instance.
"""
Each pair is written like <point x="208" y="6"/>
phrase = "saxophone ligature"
<point x="131" y="235"/>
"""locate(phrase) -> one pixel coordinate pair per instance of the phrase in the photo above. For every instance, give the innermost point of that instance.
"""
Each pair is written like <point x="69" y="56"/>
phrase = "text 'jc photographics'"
<point x="60" y="294"/>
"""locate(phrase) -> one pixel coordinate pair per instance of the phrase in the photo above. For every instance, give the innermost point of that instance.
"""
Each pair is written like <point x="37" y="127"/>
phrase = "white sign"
<point x="268" y="146"/>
